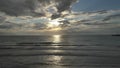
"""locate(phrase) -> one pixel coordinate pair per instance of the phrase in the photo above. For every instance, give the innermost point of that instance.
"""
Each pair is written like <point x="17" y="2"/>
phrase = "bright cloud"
<point x="39" y="16"/>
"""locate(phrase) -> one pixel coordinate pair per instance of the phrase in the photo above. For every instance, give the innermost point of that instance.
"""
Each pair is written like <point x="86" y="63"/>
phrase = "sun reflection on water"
<point x="56" y="60"/>
<point x="56" y="38"/>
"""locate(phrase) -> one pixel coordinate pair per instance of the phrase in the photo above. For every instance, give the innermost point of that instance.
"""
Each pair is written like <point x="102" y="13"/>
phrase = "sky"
<point x="40" y="17"/>
<point x="92" y="5"/>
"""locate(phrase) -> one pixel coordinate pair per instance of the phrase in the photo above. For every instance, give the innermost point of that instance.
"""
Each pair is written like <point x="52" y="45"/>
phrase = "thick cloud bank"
<point x="19" y="16"/>
<point x="35" y="7"/>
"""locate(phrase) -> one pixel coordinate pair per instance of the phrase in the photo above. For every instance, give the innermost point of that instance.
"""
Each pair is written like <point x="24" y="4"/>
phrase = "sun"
<point x="54" y="23"/>
<point x="56" y="29"/>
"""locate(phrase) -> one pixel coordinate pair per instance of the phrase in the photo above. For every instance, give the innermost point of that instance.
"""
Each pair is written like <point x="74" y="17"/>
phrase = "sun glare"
<point x="53" y="23"/>
<point x="56" y="29"/>
<point x="57" y="38"/>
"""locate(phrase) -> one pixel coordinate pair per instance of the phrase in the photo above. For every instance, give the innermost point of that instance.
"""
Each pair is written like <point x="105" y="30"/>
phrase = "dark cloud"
<point x="54" y="16"/>
<point x="97" y="23"/>
<point x="5" y="27"/>
<point x="101" y="11"/>
<point x="9" y="25"/>
<point x="25" y="10"/>
<point x="33" y="7"/>
<point x="12" y="7"/>
<point x="39" y="26"/>
<point x="84" y="20"/>
<point x="64" y="4"/>
<point x="66" y="23"/>
<point x="2" y="19"/>
<point x="18" y="7"/>
<point x="112" y="17"/>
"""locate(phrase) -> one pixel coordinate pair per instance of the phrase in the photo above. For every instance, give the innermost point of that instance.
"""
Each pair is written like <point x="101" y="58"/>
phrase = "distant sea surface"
<point x="64" y="39"/>
<point x="60" y="51"/>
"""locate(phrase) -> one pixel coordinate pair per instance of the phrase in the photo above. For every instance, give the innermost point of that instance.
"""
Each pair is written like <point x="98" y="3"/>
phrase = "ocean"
<point x="60" y="51"/>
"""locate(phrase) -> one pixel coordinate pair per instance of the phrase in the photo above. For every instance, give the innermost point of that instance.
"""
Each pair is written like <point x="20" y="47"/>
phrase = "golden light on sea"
<point x="56" y="38"/>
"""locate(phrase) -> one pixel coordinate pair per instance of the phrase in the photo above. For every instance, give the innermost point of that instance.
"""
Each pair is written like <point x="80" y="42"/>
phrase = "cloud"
<point x="22" y="16"/>
<point x="9" y="25"/>
<point x="34" y="7"/>
<point x="39" y="26"/>
<point x="94" y="22"/>
<point x="31" y="14"/>
<point x="2" y="19"/>
<point x="112" y="17"/>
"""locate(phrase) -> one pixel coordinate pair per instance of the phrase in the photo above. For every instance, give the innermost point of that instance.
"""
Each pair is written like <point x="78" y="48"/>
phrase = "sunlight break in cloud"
<point x="37" y="16"/>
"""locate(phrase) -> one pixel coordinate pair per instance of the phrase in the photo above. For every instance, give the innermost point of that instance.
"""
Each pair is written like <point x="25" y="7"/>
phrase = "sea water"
<point x="60" y="51"/>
